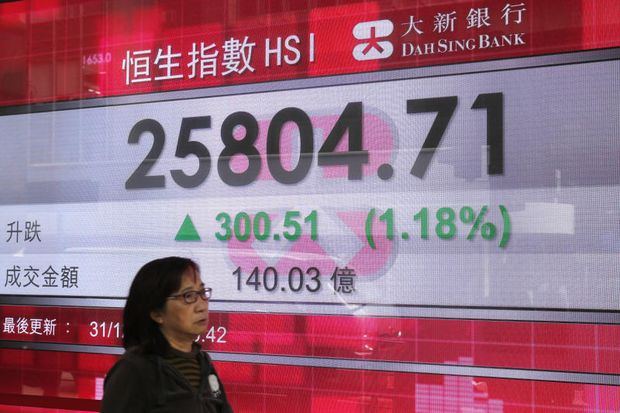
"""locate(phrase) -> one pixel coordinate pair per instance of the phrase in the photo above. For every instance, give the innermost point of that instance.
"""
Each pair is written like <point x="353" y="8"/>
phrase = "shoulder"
<point x="132" y="366"/>
<point x="205" y="355"/>
<point x="206" y="359"/>
<point x="129" y="385"/>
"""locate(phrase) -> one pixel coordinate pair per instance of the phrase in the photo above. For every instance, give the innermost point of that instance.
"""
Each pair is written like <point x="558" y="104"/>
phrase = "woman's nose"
<point x="202" y="305"/>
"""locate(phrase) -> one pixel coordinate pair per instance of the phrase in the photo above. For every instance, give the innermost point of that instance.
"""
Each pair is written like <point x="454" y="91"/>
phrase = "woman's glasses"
<point x="190" y="297"/>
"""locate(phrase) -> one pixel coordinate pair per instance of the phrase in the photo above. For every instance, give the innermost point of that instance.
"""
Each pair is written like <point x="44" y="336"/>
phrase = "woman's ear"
<point x="157" y="316"/>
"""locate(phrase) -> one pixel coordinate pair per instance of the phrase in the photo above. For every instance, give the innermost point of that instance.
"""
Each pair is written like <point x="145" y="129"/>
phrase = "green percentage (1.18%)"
<point x="445" y="224"/>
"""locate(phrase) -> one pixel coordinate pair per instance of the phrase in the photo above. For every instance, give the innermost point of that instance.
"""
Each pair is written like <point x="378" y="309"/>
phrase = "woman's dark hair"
<point x="153" y="283"/>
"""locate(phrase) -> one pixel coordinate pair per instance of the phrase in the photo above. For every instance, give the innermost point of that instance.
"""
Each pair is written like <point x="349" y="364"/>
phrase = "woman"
<point x="163" y="369"/>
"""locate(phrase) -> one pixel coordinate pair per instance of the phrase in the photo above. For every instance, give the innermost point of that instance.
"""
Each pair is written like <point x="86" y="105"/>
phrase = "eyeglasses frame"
<point x="199" y="293"/>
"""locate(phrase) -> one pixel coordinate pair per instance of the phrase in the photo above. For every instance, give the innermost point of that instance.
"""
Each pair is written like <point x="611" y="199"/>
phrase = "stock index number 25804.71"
<point x="349" y="126"/>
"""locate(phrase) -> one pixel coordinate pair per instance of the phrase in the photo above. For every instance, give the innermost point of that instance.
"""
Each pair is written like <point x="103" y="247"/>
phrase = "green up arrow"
<point x="187" y="232"/>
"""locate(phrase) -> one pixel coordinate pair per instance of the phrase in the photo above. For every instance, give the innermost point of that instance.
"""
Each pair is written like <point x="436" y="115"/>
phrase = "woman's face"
<point x="179" y="321"/>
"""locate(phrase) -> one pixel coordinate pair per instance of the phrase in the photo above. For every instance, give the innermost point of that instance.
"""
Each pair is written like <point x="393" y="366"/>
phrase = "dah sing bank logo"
<point x="373" y="35"/>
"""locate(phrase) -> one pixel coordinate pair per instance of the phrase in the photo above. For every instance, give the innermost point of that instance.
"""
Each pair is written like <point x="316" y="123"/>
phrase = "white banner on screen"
<point x="68" y="171"/>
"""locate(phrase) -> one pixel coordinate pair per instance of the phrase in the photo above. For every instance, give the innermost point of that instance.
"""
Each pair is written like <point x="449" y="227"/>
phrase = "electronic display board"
<point x="406" y="207"/>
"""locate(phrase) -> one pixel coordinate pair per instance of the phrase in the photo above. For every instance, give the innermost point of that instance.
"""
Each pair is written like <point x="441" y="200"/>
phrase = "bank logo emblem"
<point x="374" y="45"/>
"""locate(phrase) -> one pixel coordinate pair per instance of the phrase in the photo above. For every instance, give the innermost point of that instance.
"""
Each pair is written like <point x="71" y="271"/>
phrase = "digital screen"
<point x="399" y="209"/>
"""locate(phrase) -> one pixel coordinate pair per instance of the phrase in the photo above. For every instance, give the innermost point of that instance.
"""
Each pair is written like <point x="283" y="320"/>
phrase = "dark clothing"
<point x="188" y="364"/>
<point x="140" y="383"/>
